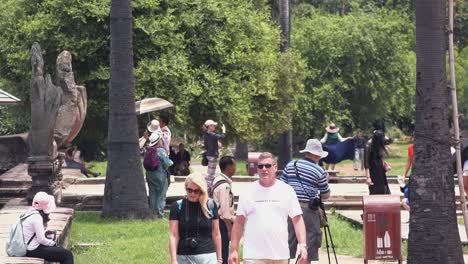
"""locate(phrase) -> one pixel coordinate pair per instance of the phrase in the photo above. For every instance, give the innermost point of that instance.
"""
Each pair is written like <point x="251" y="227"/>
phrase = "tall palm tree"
<point x="433" y="236"/>
<point x="285" y="139"/>
<point x="125" y="192"/>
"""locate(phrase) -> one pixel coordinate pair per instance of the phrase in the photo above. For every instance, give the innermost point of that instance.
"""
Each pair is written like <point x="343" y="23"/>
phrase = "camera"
<point x="191" y="242"/>
<point x="314" y="203"/>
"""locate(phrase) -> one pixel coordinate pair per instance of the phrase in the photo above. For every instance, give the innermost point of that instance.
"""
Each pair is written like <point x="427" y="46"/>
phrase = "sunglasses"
<point x="195" y="191"/>
<point x="260" y="166"/>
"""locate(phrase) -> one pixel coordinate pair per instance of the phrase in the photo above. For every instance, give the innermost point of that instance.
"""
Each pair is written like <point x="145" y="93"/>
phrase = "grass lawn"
<point x="348" y="238"/>
<point x="98" y="166"/>
<point x="126" y="241"/>
<point x="136" y="241"/>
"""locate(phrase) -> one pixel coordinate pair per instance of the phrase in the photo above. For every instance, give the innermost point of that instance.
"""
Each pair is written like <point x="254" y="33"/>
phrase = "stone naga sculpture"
<point x="72" y="111"/>
<point x="45" y="103"/>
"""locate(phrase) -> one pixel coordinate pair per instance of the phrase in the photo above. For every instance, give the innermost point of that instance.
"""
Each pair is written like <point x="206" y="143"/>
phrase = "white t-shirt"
<point x="266" y="210"/>
<point x="465" y="168"/>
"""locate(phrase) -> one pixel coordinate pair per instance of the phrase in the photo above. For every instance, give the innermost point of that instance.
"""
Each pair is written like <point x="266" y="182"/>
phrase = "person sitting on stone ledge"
<point x="72" y="161"/>
<point x="34" y="227"/>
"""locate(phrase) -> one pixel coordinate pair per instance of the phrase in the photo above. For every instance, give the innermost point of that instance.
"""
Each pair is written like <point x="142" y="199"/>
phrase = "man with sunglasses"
<point x="264" y="209"/>
<point x="309" y="181"/>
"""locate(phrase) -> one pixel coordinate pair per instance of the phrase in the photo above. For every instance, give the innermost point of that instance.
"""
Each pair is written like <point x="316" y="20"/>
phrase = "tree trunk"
<point x="242" y="150"/>
<point x="433" y="236"/>
<point x="125" y="192"/>
<point x="285" y="139"/>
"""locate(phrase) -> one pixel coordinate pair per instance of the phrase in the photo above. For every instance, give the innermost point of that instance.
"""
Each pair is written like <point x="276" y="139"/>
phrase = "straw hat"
<point x="314" y="146"/>
<point x="332" y="128"/>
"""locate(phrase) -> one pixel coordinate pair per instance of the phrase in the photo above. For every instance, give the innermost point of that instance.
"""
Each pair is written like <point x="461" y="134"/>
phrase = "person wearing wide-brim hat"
<point x="151" y="127"/>
<point x="309" y="182"/>
<point x="210" y="141"/>
<point x="157" y="179"/>
<point x="331" y="137"/>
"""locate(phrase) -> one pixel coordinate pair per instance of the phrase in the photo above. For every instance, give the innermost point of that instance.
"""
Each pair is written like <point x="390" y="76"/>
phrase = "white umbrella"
<point x="148" y="105"/>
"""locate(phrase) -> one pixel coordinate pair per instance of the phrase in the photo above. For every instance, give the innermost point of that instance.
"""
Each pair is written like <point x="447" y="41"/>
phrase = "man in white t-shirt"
<point x="263" y="210"/>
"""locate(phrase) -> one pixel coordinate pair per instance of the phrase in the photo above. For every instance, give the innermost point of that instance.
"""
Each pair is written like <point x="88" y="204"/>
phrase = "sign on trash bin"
<point x="252" y="161"/>
<point x="382" y="227"/>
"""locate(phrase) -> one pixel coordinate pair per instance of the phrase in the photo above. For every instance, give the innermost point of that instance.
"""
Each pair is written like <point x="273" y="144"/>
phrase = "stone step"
<point x="10" y="192"/>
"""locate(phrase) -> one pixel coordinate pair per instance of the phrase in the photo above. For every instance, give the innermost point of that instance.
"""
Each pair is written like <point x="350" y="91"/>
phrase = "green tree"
<point x="358" y="68"/>
<point x="214" y="59"/>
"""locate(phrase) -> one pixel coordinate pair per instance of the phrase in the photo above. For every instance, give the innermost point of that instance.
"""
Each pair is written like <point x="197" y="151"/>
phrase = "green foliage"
<point x="212" y="59"/>
<point x="359" y="68"/>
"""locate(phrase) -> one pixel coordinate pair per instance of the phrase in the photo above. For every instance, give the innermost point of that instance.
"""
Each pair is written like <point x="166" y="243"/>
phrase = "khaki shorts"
<point x="265" y="261"/>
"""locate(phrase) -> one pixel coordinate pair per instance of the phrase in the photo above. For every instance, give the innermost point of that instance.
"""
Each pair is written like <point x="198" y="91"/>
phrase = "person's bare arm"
<point x="299" y="228"/>
<point x="173" y="240"/>
<point x="216" y="236"/>
<point x="236" y="235"/>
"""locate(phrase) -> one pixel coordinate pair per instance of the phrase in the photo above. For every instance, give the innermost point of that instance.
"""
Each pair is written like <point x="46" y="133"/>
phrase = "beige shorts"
<point x="265" y="261"/>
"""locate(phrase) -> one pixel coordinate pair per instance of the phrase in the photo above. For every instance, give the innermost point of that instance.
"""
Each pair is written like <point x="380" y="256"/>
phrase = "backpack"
<point x="151" y="160"/>
<point x="216" y="185"/>
<point x="212" y="189"/>
<point x="210" y="202"/>
<point x="15" y="245"/>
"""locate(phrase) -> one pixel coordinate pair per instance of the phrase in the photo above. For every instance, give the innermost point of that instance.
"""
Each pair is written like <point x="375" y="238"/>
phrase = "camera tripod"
<point x="328" y="234"/>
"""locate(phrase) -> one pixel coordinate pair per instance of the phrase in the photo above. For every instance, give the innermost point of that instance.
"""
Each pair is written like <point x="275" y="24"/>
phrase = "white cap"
<point x="210" y="122"/>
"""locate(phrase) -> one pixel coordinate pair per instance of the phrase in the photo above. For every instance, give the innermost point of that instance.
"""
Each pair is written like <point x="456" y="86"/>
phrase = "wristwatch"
<point x="302" y="245"/>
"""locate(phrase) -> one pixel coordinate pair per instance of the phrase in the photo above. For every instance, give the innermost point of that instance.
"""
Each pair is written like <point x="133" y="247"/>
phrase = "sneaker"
<point x="401" y="181"/>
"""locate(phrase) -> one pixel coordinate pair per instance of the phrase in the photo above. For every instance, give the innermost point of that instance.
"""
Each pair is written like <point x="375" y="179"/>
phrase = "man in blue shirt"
<point x="309" y="181"/>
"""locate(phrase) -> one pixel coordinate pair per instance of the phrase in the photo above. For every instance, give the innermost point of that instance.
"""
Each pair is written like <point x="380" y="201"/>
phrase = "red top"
<point x="411" y="152"/>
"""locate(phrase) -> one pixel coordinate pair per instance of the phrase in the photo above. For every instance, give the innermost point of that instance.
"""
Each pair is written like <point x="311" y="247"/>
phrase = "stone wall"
<point x="13" y="150"/>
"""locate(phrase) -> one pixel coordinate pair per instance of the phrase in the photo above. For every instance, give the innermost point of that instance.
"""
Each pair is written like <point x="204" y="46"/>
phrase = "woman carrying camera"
<point x="194" y="226"/>
<point x="41" y="246"/>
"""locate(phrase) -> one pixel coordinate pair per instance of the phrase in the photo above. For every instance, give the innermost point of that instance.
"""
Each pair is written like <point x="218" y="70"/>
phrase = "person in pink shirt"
<point x="34" y="231"/>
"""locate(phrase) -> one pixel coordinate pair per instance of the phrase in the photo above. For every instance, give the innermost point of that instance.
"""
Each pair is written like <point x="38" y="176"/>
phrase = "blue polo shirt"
<point x="313" y="179"/>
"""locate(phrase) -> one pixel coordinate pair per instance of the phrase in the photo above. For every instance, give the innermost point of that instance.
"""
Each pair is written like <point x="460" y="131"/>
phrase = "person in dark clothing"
<point x="182" y="161"/>
<point x="212" y="152"/>
<point x="375" y="164"/>
<point x="194" y="226"/>
<point x="359" y="147"/>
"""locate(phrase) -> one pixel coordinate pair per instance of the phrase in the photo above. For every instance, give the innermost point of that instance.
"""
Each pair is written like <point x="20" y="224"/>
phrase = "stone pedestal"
<point x="46" y="177"/>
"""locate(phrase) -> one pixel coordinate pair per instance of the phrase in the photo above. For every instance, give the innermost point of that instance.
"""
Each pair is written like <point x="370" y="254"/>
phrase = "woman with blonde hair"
<point x="194" y="226"/>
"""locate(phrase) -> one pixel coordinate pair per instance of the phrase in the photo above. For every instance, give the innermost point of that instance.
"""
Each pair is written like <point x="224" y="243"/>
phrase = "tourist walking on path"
<point x="375" y="164"/>
<point x="224" y="198"/>
<point x="359" y="147"/>
<point x="210" y="140"/>
<point x="194" y="226"/>
<point x="331" y="137"/>
<point x="34" y="228"/>
<point x="264" y="209"/>
<point x="157" y="178"/>
<point x="309" y="181"/>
